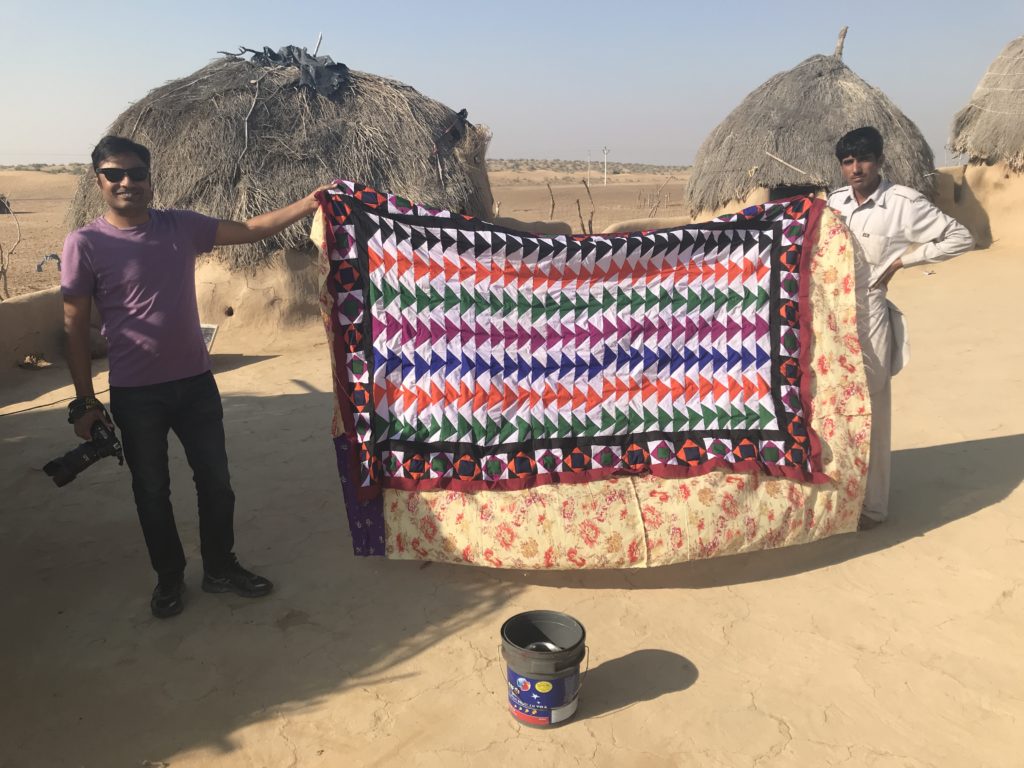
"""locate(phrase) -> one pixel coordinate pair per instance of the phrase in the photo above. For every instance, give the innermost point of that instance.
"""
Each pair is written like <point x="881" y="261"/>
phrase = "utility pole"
<point x="606" y="151"/>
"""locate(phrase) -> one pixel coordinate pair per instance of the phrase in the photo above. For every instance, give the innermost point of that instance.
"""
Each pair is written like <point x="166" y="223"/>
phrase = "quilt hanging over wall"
<point x="476" y="363"/>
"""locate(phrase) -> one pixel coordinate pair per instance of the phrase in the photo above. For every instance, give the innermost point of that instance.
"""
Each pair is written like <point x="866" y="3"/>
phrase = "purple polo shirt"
<point x="144" y="284"/>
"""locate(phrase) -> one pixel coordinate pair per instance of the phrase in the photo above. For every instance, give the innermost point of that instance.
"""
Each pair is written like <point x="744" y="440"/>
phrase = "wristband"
<point x="80" y="406"/>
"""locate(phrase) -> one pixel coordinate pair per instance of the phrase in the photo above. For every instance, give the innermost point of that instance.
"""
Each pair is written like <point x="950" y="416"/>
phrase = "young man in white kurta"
<point x="885" y="220"/>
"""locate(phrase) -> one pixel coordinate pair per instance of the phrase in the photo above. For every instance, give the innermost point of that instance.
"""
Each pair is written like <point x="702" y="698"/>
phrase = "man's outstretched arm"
<point x="266" y="224"/>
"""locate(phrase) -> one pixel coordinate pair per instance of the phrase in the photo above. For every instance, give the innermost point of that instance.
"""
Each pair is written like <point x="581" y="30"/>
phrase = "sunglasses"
<point x="116" y="175"/>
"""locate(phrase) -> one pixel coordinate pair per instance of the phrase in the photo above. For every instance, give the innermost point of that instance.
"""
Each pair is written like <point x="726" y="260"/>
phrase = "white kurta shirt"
<point x="892" y="219"/>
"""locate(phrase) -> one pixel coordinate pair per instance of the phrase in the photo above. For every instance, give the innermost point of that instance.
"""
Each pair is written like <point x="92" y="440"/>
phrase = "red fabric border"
<point x="811" y="237"/>
<point x="520" y="483"/>
<point x="338" y="350"/>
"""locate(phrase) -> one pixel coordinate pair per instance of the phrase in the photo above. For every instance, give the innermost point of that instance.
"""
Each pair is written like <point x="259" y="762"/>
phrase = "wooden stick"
<point x="657" y="201"/>
<point x="840" y="42"/>
<point x="590" y="221"/>
<point x="788" y="165"/>
<point x="319" y="39"/>
<point x="245" y="147"/>
<point x="5" y="260"/>
<point x="551" y="216"/>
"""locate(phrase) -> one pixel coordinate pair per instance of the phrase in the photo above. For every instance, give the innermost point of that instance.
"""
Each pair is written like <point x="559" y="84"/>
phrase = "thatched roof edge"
<point x="990" y="128"/>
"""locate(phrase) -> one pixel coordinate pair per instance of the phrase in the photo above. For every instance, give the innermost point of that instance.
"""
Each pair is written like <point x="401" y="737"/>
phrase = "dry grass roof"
<point x="990" y="128"/>
<point x="236" y="139"/>
<point x="798" y="116"/>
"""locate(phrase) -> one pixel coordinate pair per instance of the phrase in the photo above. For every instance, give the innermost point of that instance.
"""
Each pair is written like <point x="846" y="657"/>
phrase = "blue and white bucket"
<point x="543" y="651"/>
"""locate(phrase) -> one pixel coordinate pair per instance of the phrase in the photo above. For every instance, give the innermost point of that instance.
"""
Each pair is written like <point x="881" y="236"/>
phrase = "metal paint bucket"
<point x="543" y="651"/>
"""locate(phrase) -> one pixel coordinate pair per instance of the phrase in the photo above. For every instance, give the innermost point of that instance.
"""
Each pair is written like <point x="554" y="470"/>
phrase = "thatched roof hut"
<point x="782" y="137"/>
<point x="990" y="128"/>
<point x="241" y="137"/>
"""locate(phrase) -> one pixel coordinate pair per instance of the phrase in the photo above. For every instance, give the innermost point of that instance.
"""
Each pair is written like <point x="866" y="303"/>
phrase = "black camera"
<point x="104" y="443"/>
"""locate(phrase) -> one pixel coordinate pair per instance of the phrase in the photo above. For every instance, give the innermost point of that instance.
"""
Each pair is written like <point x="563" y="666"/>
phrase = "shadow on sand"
<point x="92" y="679"/>
<point x="229" y="362"/>
<point x="642" y="675"/>
<point x="22" y="386"/>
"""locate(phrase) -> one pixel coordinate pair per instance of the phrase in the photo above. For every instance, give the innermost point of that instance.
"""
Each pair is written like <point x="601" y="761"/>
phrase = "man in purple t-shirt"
<point x="138" y="265"/>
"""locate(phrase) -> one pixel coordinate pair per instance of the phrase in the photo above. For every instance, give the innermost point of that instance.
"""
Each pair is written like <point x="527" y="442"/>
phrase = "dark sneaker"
<point x="867" y="523"/>
<point x="168" y="598"/>
<point x="234" y="578"/>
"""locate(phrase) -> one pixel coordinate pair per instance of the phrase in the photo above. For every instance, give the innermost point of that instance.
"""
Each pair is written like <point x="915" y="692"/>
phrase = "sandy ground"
<point x="525" y="196"/>
<point x="895" y="647"/>
<point x="40" y="202"/>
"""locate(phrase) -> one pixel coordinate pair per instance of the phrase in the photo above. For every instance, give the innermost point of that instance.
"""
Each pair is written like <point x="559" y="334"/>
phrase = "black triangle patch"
<point x="465" y="244"/>
<point x="417" y="238"/>
<point x="447" y="239"/>
<point x="587" y="247"/>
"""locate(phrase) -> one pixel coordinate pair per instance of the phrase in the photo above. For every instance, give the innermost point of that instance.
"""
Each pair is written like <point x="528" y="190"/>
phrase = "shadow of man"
<point x="643" y="675"/>
<point x="956" y="198"/>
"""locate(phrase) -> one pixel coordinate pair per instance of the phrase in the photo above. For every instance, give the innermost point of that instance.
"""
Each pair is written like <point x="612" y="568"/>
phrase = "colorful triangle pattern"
<point x="469" y="356"/>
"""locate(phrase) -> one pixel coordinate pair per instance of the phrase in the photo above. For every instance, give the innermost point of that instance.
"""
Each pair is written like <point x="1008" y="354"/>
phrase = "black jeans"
<point x="192" y="408"/>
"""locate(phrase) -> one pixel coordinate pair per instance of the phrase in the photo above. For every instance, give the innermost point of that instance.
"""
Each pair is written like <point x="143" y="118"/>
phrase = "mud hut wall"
<point x="31" y="324"/>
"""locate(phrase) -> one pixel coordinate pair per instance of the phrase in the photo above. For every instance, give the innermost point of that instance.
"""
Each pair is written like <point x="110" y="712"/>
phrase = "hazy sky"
<point x="552" y="79"/>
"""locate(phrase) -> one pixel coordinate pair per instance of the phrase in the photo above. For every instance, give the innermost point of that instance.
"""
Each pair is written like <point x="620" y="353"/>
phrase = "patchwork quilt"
<point x="591" y="401"/>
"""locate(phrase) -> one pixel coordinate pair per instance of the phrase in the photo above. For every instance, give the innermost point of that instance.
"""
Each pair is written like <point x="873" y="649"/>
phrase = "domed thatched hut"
<point x="990" y="129"/>
<point x="781" y="138"/>
<point x="241" y="137"/>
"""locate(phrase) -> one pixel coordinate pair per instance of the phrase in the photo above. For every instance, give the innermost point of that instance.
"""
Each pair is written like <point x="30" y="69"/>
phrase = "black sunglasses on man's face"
<point x="116" y="175"/>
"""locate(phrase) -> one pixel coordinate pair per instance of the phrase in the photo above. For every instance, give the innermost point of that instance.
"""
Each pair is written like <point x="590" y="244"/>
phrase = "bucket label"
<point x="542" y="702"/>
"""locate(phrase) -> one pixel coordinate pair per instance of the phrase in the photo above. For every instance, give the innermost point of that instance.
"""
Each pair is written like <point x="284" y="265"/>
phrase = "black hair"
<point x="859" y="142"/>
<point x="110" y="146"/>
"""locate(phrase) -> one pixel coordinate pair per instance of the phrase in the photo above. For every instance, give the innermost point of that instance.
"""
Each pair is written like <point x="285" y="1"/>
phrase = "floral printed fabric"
<point x="640" y="521"/>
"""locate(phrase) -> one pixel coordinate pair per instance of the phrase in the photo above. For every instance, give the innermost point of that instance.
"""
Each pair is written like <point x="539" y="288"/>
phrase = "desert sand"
<point x="894" y="647"/>
<point x="39" y="202"/>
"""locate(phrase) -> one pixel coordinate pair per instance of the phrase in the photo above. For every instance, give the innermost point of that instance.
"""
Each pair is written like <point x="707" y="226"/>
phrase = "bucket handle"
<point x="586" y="669"/>
<point x="583" y="677"/>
